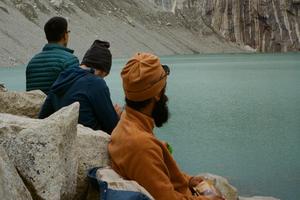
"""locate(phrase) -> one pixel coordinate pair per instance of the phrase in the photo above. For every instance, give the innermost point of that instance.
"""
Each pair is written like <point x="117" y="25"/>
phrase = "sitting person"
<point x="86" y="85"/>
<point x="44" y="68"/>
<point x="136" y="154"/>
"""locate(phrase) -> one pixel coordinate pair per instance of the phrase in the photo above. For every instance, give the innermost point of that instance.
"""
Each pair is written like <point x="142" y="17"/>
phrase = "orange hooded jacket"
<point x="138" y="155"/>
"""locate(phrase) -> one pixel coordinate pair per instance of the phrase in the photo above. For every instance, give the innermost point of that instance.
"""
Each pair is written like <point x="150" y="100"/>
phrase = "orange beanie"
<point x="143" y="77"/>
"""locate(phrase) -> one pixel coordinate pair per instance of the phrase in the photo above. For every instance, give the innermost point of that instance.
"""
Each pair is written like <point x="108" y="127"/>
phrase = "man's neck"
<point x="84" y="67"/>
<point x="61" y="43"/>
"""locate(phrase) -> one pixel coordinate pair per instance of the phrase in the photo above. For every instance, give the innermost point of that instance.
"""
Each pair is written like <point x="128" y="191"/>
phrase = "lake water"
<point x="235" y="115"/>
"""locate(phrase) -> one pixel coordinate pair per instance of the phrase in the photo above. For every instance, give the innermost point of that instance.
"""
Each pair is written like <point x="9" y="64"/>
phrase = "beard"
<point x="160" y="111"/>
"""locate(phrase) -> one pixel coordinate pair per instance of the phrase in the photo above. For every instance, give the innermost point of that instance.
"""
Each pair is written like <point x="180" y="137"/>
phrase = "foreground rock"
<point x="91" y="147"/>
<point x="22" y="103"/>
<point x="227" y="190"/>
<point x="44" y="151"/>
<point x="2" y="88"/>
<point x="92" y="152"/>
<point x="12" y="186"/>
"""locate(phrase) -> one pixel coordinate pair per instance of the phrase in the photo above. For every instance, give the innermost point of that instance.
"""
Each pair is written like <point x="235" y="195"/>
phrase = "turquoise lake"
<point x="235" y="115"/>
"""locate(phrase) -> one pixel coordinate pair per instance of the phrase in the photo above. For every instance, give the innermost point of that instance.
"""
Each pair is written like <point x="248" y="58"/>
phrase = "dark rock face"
<point x="265" y="25"/>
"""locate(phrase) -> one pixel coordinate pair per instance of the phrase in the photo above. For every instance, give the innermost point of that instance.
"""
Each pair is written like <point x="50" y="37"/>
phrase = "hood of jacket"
<point x="66" y="79"/>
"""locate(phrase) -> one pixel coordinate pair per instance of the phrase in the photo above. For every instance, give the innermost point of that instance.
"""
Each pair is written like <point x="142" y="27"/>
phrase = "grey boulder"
<point x="92" y="152"/>
<point x="44" y="151"/>
<point x="11" y="185"/>
<point x="22" y="103"/>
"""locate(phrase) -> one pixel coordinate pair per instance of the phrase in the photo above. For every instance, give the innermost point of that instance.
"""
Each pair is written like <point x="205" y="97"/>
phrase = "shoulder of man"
<point x="97" y="83"/>
<point x="56" y="50"/>
<point x="145" y="141"/>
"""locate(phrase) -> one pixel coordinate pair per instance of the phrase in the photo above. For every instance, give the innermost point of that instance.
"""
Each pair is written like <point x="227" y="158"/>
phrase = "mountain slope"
<point x="129" y="25"/>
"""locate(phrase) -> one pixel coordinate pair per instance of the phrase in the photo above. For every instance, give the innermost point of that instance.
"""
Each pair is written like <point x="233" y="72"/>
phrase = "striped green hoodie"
<point x="44" y="68"/>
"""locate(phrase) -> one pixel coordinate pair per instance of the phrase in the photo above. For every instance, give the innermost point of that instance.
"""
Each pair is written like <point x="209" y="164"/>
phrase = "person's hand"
<point x="118" y="109"/>
<point x="194" y="181"/>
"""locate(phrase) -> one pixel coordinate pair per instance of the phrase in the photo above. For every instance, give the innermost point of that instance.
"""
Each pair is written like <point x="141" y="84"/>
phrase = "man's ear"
<point x="65" y="37"/>
<point x="157" y="98"/>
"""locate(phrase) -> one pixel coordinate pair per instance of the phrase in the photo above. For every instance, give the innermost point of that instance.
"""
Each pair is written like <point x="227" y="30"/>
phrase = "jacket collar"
<point x="51" y="46"/>
<point x="143" y="121"/>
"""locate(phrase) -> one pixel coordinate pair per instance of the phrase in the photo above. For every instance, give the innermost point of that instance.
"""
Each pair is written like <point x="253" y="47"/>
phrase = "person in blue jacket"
<point x="86" y="85"/>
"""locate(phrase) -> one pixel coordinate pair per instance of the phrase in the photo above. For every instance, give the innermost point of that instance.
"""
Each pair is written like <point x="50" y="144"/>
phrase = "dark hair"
<point x="137" y="105"/>
<point x="55" y="28"/>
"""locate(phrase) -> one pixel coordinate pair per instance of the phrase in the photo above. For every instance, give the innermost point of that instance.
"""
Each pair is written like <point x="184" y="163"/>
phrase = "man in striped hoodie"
<point x="44" y="68"/>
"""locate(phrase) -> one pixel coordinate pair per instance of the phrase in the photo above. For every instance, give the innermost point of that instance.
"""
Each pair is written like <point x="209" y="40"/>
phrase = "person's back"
<point x="88" y="88"/>
<point x="44" y="68"/>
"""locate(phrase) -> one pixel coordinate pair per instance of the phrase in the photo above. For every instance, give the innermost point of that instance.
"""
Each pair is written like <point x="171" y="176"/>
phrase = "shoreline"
<point x="117" y="59"/>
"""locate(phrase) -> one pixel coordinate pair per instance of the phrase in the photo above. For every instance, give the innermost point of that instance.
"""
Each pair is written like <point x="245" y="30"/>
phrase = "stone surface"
<point x="257" y="198"/>
<point x="44" y="151"/>
<point x="12" y="125"/>
<point x="11" y="185"/>
<point x="227" y="190"/>
<point x="2" y="88"/>
<point x="22" y="103"/>
<point x="265" y="25"/>
<point x="92" y="152"/>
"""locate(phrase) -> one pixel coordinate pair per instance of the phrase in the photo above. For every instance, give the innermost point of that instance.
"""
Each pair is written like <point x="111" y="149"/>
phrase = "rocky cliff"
<point x="164" y="27"/>
<point x="129" y="25"/>
<point x="265" y="25"/>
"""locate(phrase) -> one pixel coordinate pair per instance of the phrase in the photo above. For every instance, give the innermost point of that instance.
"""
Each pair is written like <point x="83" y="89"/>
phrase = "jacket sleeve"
<point x="187" y="177"/>
<point x="151" y="172"/>
<point x="47" y="108"/>
<point x="104" y="109"/>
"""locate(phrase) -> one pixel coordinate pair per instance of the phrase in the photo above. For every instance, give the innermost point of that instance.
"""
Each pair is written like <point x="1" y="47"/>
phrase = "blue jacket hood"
<point x="67" y="78"/>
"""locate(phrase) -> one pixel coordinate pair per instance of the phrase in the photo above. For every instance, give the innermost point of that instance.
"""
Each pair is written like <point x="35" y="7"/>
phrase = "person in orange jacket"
<point x="136" y="154"/>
